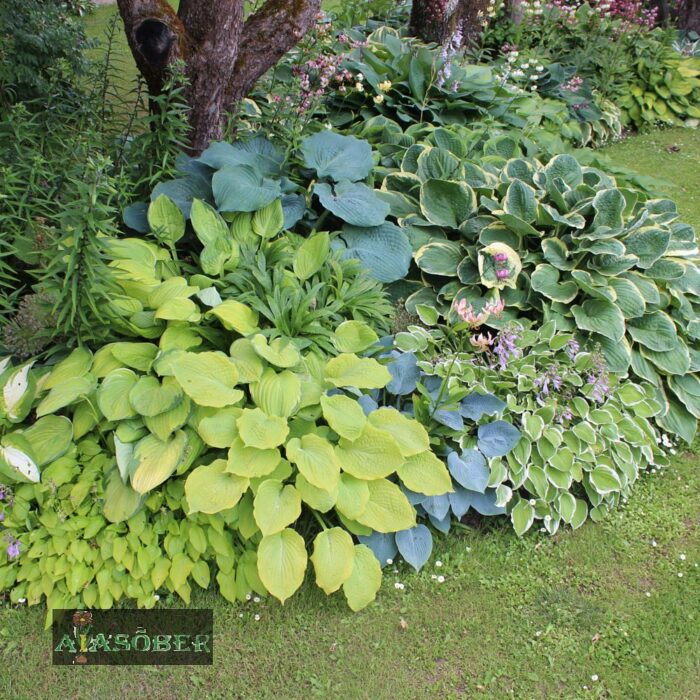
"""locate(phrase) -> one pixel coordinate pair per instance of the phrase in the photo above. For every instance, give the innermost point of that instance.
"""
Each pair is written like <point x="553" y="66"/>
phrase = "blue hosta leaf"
<point x="368" y="404"/>
<point x="415" y="499"/>
<point x="243" y="188"/>
<point x="136" y="217"/>
<point x="353" y="202"/>
<point x="442" y="525"/>
<point x="336" y="156"/>
<point x="183" y="190"/>
<point x="469" y="469"/>
<point x="497" y="439"/>
<point x="384" y="250"/>
<point x="452" y="419"/>
<point x="415" y="545"/>
<point x="476" y="405"/>
<point x="405" y="373"/>
<point x="257" y="152"/>
<point x="485" y="503"/>
<point x="437" y="506"/>
<point x="460" y="501"/>
<point x="383" y="546"/>
<point x="293" y="207"/>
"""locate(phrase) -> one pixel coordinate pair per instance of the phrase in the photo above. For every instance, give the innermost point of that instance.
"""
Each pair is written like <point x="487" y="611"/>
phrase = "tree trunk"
<point x="223" y="53"/>
<point x="440" y="21"/>
<point x="689" y="16"/>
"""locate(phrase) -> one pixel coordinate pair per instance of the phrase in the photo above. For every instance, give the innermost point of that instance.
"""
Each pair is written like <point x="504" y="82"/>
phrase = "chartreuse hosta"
<point x="262" y="434"/>
<point x="603" y="261"/>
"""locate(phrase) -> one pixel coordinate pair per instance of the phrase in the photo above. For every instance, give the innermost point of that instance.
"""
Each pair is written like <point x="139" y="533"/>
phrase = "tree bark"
<point x="223" y="54"/>
<point x="689" y="16"/>
<point x="440" y="20"/>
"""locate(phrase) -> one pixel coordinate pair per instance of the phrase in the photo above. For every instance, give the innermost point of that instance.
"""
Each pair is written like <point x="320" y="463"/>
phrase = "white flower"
<point x="248" y="596"/>
<point x="389" y="561"/>
<point x="359" y="77"/>
<point x="256" y="599"/>
<point x="438" y="564"/>
<point x="240" y="614"/>
<point x="653" y="543"/>
<point x="378" y="99"/>
<point x="441" y="579"/>
<point x="156" y="597"/>
<point x="532" y="502"/>
<point x="672" y="451"/>
<point x="538" y="633"/>
<point x="359" y="87"/>
<point x="647" y="594"/>
<point x="329" y="125"/>
<point x="682" y="557"/>
<point x="594" y="677"/>
<point x="257" y="618"/>
<point x="22" y="600"/>
<point x="680" y="574"/>
<point x="539" y="69"/>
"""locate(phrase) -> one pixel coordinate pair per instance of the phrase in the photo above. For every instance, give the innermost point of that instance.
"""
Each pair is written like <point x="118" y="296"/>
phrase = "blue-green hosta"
<point x="570" y="245"/>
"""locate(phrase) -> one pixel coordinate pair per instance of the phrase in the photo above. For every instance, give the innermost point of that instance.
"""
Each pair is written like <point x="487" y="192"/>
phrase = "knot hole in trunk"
<point x="154" y="39"/>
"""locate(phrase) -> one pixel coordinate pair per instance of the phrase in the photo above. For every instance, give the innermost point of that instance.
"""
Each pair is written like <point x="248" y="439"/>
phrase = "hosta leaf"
<point x="243" y="188"/>
<point x="316" y="459"/>
<point x="211" y="489"/>
<point x="520" y="201"/>
<point x="164" y="424"/>
<point x="207" y="378"/>
<point x="166" y="219"/>
<point x="257" y="429"/>
<point x="410" y="435"/>
<point x="319" y="499"/>
<point x="337" y="156"/>
<point x="497" y="439"/>
<point x="277" y="394"/>
<point x="477" y="405"/>
<point x="276" y="505"/>
<point x="609" y="205"/>
<point x="280" y="352"/>
<point x="311" y="255"/>
<point x="655" y="331"/>
<point x="75" y="365"/>
<point x="149" y="397"/>
<point x="155" y="460"/>
<point x="268" y="221"/>
<point x="121" y="501"/>
<point x="415" y="545"/>
<point x="18" y="393"/>
<point x="235" y="316"/>
<point x="361" y="373"/>
<point x="17" y="459"/>
<point x="425" y="473"/>
<point x="354" y="336"/>
<point x="469" y="469"/>
<point x="522" y="517"/>
<point x="387" y="509"/>
<point x="353" y="495"/>
<point x="113" y="394"/>
<point x="365" y="580"/>
<point x="374" y="455"/>
<point x="600" y="316"/>
<point x="282" y="563"/>
<point x="446" y="203"/>
<point x="66" y="393"/>
<point x="440" y="258"/>
<point x="605" y="480"/>
<point x="353" y="202"/>
<point x="217" y="427"/>
<point x="50" y="437"/>
<point x="384" y="250"/>
<point x="251" y="462"/>
<point x="344" y="415"/>
<point x="545" y="279"/>
<point x="648" y="244"/>
<point x="629" y="298"/>
<point x="333" y="557"/>
<point x="249" y="364"/>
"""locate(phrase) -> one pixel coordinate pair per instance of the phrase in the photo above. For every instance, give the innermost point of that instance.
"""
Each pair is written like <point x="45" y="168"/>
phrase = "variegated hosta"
<point x="584" y="436"/>
<point x="604" y="261"/>
<point x="261" y="433"/>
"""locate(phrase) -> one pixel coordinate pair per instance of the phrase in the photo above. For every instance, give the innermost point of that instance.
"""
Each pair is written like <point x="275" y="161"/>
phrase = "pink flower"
<point x="502" y="274"/>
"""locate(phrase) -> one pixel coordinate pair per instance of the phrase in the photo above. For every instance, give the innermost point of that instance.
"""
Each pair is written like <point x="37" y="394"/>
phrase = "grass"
<point x="530" y="618"/>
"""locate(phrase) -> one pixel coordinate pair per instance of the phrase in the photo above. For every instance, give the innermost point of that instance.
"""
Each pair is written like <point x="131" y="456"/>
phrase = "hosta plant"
<point x="562" y="242"/>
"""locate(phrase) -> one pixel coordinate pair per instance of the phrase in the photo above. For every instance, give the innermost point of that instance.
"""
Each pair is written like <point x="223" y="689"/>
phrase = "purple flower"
<point x="598" y="379"/>
<point x="500" y="257"/>
<point x="505" y="347"/>
<point x="2" y="516"/>
<point x="572" y="349"/>
<point x="13" y="548"/>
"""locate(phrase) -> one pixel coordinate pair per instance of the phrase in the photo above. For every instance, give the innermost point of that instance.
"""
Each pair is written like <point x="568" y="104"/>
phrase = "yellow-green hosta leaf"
<point x="75" y="365"/>
<point x="165" y="219"/>
<point x="268" y="221"/>
<point x="361" y="373"/>
<point x="178" y="338"/>
<point x="66" y="393"/>
<point x="235" y="316"/>
<point x="282" y="472"/>
<point x="354" y="336"/>
<point x="277" y="394"/>
<point x="425" y="473"/>
<point x="365" y="580"/>
<point x="276" y="505"/>
<point x="374" y="455"/>
<point x="344" y="415"/>
<point x="121" y="501"/>
<point x="156" y="460"/>
<point x="113" y="394"/>
<point x="217" y="427"/>
<point x="280" y="352"/>
<point x="50" y="437"/>
<point x="251" y="462"/>
<point x="165" y="424"/>
<point x="249" y="364"/>
<point x="149" y="397"/>
<point x="316" y="459"/>
<point x="319" y="499"/>
<point x="411" y="436"/>
<point x="208" y="378"/>
<point x="178" y="309"/>
<point x="257" y="429"/>
<point x="387" y="509"/>
<point x="211" y="489"/>
<point x="333" y="557"/>
<point x="353" y="495"/>
<point x="138" y="356"/>
<point x="282" y="563"/>
<point x="311" y="255"/>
